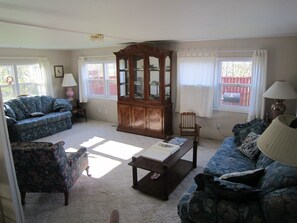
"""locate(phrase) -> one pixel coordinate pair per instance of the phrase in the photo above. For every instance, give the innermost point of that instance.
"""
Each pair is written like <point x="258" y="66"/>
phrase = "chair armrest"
<point x="73" y="157"/>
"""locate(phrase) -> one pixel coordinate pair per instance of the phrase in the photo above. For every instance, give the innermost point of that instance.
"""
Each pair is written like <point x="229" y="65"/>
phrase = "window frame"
<point x="218" y="85"/>
<point x="106" y="95"/>
<point x="16" y="86"/>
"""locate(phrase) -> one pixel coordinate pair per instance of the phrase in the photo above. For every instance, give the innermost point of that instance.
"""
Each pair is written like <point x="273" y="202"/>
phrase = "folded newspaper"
<point x="160" y="151"/>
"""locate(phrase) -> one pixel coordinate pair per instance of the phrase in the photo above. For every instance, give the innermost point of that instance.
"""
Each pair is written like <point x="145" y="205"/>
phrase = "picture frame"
<point x="59" y="71"/>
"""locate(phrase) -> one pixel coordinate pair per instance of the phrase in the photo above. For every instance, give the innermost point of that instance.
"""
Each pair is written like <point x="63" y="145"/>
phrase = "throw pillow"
<point x="62" y="105"/>
<point x="36" y="114"/>
<point x="249" y="146"/>
<point x="249" y="177"/>
<point x="241" y="131"/>
<point x="228" y="190"/>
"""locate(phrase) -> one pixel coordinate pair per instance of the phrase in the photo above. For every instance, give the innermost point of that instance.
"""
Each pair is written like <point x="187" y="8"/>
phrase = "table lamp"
<point x="279" y="140"/>
<point x="280" y="91"/>
<point x="69" y="82"/>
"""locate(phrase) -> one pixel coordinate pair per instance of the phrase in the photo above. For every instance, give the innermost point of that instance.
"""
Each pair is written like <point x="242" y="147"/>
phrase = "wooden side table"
<point x="78" y="111"/>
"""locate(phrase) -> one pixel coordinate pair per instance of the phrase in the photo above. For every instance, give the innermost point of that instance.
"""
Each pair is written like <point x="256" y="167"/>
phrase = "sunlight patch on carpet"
<point x="99" y="165"/>
<point x="117" y="149"/>
<point x="92" y="142"/>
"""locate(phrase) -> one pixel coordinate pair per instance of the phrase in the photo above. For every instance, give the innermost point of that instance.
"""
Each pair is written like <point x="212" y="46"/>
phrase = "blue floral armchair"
<point x="46" y="167"/>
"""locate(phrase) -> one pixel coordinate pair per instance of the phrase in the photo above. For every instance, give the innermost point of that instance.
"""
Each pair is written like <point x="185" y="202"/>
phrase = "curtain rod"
<point x="21" y="58"/>
<point x="221" y="51"/>
<point x="97" y="56"/>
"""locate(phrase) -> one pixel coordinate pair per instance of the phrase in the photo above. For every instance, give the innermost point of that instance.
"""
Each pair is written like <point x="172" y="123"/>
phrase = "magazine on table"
<point x="160" y="151"/>
<point x="177" y="141"/>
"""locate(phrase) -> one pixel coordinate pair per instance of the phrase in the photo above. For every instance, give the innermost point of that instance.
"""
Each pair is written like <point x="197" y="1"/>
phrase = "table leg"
<point x="165" y="183"/>
<point x="195" y="153"/>
<point x="134" y="173"/>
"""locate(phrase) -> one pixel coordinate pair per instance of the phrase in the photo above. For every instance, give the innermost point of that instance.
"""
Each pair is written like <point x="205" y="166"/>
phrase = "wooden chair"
<point x="188" y="125"/>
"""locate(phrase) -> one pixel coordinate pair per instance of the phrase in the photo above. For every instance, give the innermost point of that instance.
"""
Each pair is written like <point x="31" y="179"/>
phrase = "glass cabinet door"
<point x="138" y="62"/>
<point x="167" y="78"/>
<point x="124" y="77"/>
<point x="154" y="78"/>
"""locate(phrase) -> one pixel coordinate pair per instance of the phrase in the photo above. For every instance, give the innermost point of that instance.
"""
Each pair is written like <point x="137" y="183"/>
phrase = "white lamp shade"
<point x="279" y="140"/>
<point x="68" y="80"/>
<point x="281" y="90"/>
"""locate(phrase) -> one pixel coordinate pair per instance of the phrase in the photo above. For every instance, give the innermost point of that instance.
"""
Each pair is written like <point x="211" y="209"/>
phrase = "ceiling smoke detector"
<point x="97" y="37"/>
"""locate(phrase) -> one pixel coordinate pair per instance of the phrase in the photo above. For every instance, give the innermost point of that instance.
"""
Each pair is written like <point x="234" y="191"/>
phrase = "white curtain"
<point x="195" y="82"/>
<point x="258" y="85"/>
<point x="46" y="77"/>
<point x="82" y="80"/>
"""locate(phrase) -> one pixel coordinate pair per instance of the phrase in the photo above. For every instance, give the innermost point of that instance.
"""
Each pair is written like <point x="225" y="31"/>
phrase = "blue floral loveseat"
<point x="32" y="117"/>
<point x="237" y="188"/>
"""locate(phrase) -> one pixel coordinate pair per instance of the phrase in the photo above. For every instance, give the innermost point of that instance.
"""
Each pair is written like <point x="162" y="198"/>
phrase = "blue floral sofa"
<point x="32" y="117"/>
<point x="267" y="194"/>
<point x="44" y="167"/>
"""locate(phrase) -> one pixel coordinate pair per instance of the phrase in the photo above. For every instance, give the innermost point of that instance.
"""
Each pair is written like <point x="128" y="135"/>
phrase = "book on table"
<point x="177" y="141"/>
<point x="160" y="151"/>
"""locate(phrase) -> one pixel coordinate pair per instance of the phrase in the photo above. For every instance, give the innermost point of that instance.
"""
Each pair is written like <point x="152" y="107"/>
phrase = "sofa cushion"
<point x="226" y="155"/>
<point x="250" y="177"/>
<point x="57" y="116"/>
<point x="241" y="131"/>
<point x="278" y="176"/>
<point x="29" y="123"/>
<point x="249" y="146"/>
<point x="20" y="109"/>
<point x="47" y="104"/>
<point x="62" y="105"/>
<point x="29" y="102"/>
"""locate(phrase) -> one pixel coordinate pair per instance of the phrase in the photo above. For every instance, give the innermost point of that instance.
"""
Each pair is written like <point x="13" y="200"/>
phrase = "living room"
<point x="281" y="60"/>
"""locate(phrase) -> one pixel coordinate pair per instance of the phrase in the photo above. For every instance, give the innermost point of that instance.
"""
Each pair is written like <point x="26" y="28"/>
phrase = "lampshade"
<point x="281" y="90"/>
<point x="279" y="140"/>
<point x="68" y="80"/>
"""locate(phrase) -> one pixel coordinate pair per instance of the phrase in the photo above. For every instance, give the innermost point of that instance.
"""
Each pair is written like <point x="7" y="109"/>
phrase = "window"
<point x="101" y="79"/>
<point x="20" y="79"/>
<point x="233" y="81"/>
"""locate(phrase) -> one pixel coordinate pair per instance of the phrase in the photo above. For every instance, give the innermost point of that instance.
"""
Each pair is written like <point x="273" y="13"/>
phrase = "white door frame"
<point x="12" y="207"/>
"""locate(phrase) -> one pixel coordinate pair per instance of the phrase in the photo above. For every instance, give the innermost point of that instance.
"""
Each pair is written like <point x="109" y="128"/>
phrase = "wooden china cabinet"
<point x="144" y="90"/>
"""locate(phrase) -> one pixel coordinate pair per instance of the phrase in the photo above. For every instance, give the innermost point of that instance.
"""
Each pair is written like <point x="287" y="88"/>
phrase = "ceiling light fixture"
<point x="97" y="37"/>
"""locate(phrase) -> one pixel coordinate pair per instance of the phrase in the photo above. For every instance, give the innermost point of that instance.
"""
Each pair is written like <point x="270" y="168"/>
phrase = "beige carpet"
<point x="93" y="198"/>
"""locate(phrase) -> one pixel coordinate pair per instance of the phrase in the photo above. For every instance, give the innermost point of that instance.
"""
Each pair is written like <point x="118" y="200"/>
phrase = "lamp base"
<point x="69" y="93"/>
<point x="278" y="108"/>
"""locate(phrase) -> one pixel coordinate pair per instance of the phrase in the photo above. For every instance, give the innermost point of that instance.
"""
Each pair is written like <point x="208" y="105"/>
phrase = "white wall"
<point x="282" y="54"/>
<point x="55" y="57"/>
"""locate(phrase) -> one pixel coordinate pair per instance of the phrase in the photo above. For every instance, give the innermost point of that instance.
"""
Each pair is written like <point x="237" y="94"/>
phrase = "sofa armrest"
<point x="280" y="205"/>
<point x="202" y="207"/>
<point x="62" y="105"/>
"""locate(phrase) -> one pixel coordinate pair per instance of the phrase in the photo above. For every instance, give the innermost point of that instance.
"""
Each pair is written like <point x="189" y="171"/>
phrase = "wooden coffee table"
<point x="172" y="171"/>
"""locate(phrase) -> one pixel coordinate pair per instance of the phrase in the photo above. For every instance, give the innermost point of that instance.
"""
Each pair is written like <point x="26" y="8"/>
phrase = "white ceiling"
<point x="68" y="24"/>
